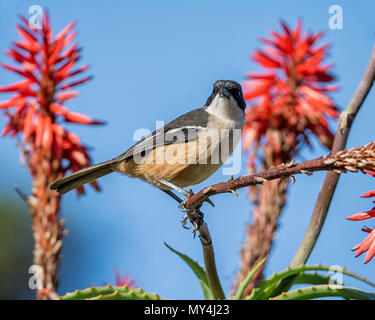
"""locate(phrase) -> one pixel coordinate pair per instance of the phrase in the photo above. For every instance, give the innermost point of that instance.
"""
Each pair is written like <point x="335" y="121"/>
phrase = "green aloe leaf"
<point x="199" y="272"/>
<point x="110" y="293"/>
<point x="311" y="278"/>
<point x="241" y="289"/>
<point x="264" y="291"/>
<point x="321" y="291"/>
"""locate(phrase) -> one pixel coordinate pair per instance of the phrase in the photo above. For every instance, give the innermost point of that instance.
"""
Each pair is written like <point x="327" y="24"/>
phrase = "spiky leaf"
<point x="321" y="291"/>
<point x="241" y="289"/>
<point x="264" y="291"/>
<point x="311" y="278"/>
<point x="110" y="293"/>
<point x="199" y="272"/>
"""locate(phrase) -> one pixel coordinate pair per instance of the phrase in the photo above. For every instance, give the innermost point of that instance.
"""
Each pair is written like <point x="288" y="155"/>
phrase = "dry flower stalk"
<point x="356" y="159"/>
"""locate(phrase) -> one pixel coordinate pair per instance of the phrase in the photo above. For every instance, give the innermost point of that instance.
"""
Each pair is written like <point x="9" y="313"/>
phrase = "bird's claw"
<point x="182" y="205"/>
<point x="184" y="221"/>
<point x="196" y="220"/>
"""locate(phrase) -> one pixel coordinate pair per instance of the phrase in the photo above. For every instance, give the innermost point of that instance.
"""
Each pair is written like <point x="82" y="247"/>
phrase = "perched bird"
<point x="184" y="152"/>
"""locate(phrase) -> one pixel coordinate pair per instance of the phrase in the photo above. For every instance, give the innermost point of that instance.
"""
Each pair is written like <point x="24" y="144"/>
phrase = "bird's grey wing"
<point x="182" y="129"/>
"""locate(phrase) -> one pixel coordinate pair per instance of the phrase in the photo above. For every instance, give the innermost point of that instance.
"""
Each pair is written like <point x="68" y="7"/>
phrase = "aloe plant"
<point x="109" y="292"/>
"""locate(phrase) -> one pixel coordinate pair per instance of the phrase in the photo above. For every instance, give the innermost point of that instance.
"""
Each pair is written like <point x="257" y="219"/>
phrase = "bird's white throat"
<point x="227" y="110"/>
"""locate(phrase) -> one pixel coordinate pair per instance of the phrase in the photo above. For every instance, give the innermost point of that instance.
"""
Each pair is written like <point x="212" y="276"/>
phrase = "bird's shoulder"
<point x="196" y="117"/>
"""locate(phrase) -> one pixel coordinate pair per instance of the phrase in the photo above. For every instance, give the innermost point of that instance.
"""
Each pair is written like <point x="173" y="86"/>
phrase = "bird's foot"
<point x="182" y="204"/>
<point x="187" y="194"/>
<point x="195" y="218"/>
<point x="194" y="215"/>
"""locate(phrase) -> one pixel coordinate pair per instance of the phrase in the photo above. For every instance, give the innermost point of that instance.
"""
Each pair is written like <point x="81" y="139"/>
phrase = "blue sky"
<point x="153" y="61"/>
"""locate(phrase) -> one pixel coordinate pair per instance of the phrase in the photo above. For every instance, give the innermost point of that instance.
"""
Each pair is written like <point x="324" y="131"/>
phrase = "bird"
<point x="182" y="153"/>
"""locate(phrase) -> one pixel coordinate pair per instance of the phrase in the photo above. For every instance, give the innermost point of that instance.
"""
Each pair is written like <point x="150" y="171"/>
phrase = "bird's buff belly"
<point x="182" y="167"/>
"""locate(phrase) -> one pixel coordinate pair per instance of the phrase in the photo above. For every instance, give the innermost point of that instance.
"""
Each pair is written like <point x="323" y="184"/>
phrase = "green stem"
<point x="209" y="263"/>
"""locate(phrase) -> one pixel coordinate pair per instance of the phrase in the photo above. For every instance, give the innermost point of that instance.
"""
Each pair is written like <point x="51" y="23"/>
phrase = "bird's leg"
<point x="186" y="217"/>
<point x="174" y="187"/>
<point x="185" y="193"/>
<point x="171" y="194"/>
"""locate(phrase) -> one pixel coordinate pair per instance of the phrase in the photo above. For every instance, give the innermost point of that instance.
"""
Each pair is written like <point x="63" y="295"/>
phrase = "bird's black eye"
<point x="235" y="92"/>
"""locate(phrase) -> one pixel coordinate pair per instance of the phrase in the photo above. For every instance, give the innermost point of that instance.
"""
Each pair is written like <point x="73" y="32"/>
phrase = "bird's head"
<point x="227" y="90"/>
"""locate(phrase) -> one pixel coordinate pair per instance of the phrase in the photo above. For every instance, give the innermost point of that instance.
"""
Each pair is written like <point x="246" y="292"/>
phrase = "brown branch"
<point x="356" y="159"/>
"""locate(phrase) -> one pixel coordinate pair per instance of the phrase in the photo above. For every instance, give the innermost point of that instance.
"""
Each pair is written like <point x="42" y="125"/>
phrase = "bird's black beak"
<point x="224" y="91"/>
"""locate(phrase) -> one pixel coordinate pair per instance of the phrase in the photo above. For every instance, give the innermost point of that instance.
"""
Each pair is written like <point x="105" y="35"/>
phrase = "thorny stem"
<point x="47" y="226"/>
<point x="336" y="162"/>
<point x="328" y="188"/>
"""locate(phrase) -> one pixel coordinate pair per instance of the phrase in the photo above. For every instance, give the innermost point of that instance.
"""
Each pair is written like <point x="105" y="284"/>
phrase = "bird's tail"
<point x="82" y="176"/>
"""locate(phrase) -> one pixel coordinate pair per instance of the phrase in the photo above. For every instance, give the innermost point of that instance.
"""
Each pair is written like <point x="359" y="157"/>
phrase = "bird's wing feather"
<point x="182" y="129"/>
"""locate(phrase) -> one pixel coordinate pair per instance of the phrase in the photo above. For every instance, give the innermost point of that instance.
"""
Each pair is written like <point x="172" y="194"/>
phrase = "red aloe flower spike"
<point x="288" y="103"/>
<point x="291" y="90"/>
<point x="34" y="112"/>
<point x="32" y="123"/>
